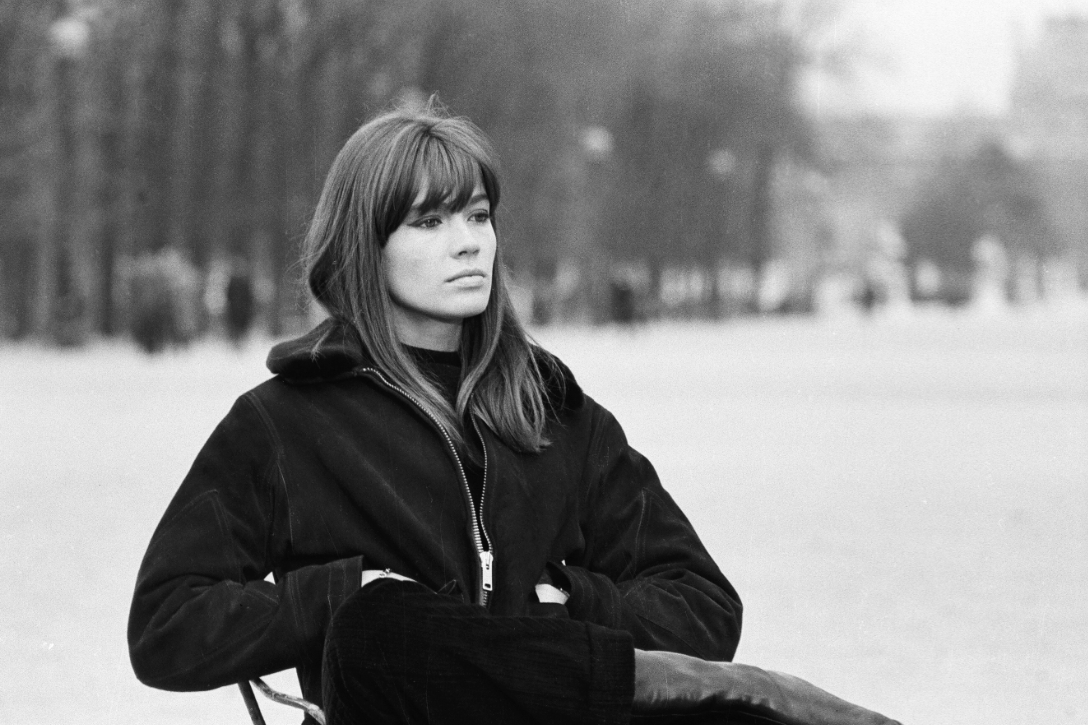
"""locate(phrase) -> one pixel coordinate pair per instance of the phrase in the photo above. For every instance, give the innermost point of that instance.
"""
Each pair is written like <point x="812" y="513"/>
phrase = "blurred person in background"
<point x="241" y="302"/>
<point x="455" y="531"/>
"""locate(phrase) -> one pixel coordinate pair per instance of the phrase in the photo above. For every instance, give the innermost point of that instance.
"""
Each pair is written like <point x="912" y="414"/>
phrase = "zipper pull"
<point x="486" y="562"/>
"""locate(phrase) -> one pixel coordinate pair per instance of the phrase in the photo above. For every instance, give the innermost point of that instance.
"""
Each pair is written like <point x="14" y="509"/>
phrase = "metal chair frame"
<point x="276" y="696"/>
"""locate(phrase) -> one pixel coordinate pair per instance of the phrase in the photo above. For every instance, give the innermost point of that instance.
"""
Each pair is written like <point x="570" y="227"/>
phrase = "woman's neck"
<point x="428" y="358"/>
<point x="425" y="332"/>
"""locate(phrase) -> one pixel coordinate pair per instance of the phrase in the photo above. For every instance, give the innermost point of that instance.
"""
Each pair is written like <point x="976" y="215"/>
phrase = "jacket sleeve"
<point x="202" y="615"/>
<point x="644" y="569"/>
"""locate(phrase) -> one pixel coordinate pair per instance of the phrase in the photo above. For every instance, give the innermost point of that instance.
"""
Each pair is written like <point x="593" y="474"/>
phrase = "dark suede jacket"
<point x="326" y="469"/>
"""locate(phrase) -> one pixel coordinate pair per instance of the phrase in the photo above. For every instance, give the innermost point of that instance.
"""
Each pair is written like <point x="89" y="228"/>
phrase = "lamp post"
<point x="62" y="289"/>
<point x="721" y="164"/>
<point x="595" y="146"/>
<point x="71" y="35"/>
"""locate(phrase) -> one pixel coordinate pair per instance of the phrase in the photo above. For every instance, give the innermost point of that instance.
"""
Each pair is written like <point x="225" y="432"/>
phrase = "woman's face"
<point x="438" y="267"/>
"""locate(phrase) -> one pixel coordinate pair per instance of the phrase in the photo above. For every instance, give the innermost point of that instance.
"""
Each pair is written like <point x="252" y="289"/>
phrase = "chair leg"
<point x="251" y="703"/>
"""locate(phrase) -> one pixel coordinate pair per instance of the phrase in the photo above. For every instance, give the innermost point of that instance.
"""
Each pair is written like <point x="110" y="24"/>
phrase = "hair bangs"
<point x="450" y="175"/>
<point x="446" y="173"/>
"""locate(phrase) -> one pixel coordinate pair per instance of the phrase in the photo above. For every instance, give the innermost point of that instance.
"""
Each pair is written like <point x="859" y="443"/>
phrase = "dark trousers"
<point x="396" y="652"/>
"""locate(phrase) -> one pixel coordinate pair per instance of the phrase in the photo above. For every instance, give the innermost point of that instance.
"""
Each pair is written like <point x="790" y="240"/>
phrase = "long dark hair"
<point x="367" y="194"/>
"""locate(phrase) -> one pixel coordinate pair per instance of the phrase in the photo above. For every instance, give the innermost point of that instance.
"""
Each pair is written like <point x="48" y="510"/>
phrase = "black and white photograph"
<point x="429" y="362"/>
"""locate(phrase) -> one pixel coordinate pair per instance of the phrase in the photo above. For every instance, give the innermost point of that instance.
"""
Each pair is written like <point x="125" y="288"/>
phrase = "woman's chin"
<point x="469" y="303"/>
<point x="473" y="311"/>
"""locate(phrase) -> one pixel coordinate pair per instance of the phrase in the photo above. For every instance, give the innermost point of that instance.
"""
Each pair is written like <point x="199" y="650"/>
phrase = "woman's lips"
<point x="468" y="277"/>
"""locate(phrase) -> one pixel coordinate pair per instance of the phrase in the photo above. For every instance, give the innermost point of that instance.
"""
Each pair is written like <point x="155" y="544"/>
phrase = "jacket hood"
<point x="333" y="351"/>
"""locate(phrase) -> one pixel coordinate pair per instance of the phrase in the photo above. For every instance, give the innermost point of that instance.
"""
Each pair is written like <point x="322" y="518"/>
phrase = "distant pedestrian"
<point x="868" y="297"/>
<point x="241" y="305"/>
<point x="622" y="298"/>
<point x="165" y="301"/>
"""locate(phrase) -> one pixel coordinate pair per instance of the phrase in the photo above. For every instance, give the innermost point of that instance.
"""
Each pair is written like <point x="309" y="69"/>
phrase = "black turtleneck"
<point x="444" y="368"/>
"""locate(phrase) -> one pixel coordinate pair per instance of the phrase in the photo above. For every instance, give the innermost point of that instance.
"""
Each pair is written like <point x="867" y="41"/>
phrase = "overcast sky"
<point x="933" y="56"/>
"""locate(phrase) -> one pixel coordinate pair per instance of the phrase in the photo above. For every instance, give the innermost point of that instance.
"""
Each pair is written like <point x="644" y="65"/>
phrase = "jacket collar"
<point x="333" y="351"/>
<point x="328" y="352"/>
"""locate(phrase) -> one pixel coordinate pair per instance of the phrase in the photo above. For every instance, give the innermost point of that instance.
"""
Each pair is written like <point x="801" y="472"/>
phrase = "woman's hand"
<point x="370" y="575"/>
<point x="550" y="594"/>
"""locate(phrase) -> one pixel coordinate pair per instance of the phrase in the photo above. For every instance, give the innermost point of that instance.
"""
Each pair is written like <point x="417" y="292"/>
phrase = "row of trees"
<point x="630" y="131"/>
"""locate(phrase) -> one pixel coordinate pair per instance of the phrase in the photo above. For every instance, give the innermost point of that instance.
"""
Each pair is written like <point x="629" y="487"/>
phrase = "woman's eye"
<point x="427" y="222"/>
<point x="480" y="215"/>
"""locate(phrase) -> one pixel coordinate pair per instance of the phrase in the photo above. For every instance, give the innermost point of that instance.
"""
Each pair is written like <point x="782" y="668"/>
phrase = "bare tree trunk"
<point x="184" y="136"/>
<point x="75" y="315"/>
<point x="156" y="118"/>
<point x="24" y="168"/>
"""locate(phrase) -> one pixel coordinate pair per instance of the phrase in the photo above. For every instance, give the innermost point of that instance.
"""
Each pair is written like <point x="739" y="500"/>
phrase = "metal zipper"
<point x="487" y="558"/>
<point x="479" y="533"/>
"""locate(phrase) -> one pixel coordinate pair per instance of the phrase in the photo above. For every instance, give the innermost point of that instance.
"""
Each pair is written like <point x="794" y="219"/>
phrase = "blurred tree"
<point x="988" y="192"/>
<point x="712" y="104"/>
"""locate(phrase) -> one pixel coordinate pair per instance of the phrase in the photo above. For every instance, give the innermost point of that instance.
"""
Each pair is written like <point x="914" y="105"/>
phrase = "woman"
<point x="455" y="530"/>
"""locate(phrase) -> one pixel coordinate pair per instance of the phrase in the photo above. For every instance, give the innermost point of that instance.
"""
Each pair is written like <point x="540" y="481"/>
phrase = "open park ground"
<point x="902" y="503"/>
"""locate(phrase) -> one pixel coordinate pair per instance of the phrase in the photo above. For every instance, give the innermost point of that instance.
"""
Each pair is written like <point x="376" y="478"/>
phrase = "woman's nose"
<point x="465" y="241"/>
